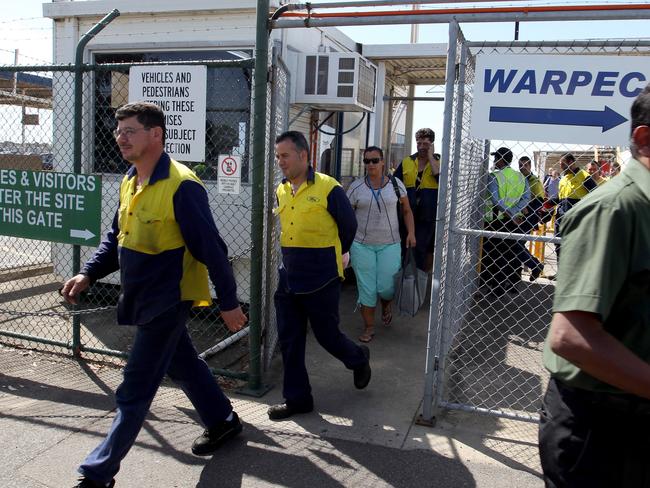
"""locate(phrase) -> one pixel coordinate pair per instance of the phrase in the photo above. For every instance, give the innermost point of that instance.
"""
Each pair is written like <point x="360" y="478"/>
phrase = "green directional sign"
<point x="50" y="206"/>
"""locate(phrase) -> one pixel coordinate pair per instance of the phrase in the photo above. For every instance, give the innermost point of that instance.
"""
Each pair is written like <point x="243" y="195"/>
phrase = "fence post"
<point x="435" y="316"/>
<point x="260" y="81"/>
<point x="78" y="113"/>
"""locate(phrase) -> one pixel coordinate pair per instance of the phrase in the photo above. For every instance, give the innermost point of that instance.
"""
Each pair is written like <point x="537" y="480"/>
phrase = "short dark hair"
<point x="296" y="137"/>
<point x="502" y="154"/>
<point x="148" y="114"/>
<point x="524" y="159"/>
<point x="640" y="114"/>
<point x="373" y="148"/>
<point x="568" y="157"/>
<point x="425" y="133"/>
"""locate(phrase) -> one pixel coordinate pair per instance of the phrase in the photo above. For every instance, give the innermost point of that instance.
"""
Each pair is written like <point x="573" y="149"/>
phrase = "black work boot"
<point x="362" y="373"/>
<point x="214" y="437"/>
<point x="285" y="410"/>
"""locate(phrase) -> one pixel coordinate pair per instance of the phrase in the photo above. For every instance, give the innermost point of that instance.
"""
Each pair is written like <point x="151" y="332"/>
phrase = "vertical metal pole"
<point x="260" y="83"/>
<point x="389" y="129"/>
<point x="458" y="133"/>
<point x="454" y="165"/>
<point x="340" y="118"/>
<point x="435" y="317"/>
<point x="14" y="89"/>
<point x="78" y="114"/>
<point x="270" y="197"/>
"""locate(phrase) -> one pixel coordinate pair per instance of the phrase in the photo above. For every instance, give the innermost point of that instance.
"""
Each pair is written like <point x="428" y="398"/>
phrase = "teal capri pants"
<point x="375" y="267"/>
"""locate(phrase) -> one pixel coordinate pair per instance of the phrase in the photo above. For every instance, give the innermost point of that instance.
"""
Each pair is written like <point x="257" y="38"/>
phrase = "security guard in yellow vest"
<point x="508" y="194"/>
<point x="420" y="172"/>
<point x="165" y="243"/>
<point x="318" y="227"/>
<point x="575" y="184"/>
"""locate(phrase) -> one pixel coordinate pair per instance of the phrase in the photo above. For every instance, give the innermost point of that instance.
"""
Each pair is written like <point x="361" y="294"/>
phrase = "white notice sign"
<point x="181" y="92"/>
<point x="552" y="98"/>
<point x="229" y="176"/>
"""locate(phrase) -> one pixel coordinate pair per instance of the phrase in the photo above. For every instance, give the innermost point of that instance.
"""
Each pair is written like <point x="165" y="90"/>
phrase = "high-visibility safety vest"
<point x="304" y="218"/>
<point x="572" y="185"/>
<point x="536" y="187"/>
<point x="512" y="186"/>
<point x="423" y="198"/>
<point x="148" y="225"/>
<point x="410" y="173"/>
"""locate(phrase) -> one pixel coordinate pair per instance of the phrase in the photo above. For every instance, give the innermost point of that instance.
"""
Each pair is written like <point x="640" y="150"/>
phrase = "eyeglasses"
<point x="371" y="160"/>
<point x="128" y="131"/>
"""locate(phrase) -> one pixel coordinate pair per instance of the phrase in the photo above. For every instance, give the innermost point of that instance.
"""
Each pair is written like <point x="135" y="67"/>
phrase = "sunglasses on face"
<point x="371" y="160"/>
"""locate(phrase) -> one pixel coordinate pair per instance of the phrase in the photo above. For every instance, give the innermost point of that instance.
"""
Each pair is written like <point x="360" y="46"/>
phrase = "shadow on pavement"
<point x="296" y="461"/>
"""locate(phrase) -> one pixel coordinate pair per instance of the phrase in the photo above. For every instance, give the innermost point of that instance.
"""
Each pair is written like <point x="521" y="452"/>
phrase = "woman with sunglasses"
<point x="375" y="254"/>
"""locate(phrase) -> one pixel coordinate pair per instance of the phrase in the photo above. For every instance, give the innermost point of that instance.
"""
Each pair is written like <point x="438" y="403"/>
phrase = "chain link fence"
<point x="497" y="272"/>
<point x="278" y="110"/>
<point x="38" y="130"/>
<point x="29" y="112"/>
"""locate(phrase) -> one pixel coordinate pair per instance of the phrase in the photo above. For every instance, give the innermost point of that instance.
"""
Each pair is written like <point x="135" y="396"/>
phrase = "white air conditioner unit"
<point x="337" y="82"/>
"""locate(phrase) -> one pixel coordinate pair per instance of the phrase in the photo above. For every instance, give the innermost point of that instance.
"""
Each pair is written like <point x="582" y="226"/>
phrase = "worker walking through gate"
<point x="165" y="243"/>
<point x="318" y="227"/>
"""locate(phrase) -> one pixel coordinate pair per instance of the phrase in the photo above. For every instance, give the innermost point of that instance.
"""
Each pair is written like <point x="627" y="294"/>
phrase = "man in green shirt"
<point x="595" y="418"/>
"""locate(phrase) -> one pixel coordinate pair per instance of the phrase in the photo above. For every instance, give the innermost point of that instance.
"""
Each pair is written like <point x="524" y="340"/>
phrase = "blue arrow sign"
<point x="606" y="119"/>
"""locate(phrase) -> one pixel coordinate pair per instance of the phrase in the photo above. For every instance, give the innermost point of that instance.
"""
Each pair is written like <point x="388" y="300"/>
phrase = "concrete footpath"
<point x="54" y="410"/>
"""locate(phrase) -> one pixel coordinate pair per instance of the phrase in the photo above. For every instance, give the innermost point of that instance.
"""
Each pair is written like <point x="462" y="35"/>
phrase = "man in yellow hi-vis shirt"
<point x="419" y="172"/>
<point x="575" y="184"/>
<point x="165" y="243"/>
<point x="318" y="227"/>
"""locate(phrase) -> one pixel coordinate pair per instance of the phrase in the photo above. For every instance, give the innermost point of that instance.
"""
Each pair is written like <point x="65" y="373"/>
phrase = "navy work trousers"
<point x="321" y="309"/>
<point x="425" y="232"/>
<point x="594" y="440"/>
<point x="162" y="346"/>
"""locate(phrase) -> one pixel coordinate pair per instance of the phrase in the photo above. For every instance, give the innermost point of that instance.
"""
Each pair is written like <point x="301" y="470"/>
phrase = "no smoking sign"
<point x="229" y="177"/>
<point x="229" y="166"/>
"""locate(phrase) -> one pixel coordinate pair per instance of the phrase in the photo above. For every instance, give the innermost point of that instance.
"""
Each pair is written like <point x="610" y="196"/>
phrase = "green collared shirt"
<point x="605" y="268"/>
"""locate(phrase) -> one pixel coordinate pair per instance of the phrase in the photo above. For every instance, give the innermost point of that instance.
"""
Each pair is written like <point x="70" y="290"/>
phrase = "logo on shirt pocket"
<point x="313" y="199"/>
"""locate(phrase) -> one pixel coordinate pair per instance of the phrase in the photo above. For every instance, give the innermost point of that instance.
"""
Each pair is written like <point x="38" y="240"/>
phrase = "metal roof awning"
<point x="25" y="89"/>
<point x="410" y="64"/>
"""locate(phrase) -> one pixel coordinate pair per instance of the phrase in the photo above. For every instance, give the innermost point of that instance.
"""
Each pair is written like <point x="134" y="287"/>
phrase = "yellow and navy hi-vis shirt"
<point x="423" y="196"/>
<point x="318" y="225"/>
<point x="165" y="243"/>
<point x="573" y="188"/>
<point x="536" y="187"/>
<point x="576" y="186"/>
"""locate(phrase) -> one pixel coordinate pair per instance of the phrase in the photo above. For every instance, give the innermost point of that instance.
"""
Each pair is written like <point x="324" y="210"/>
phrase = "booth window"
<point x="228" y="102"/>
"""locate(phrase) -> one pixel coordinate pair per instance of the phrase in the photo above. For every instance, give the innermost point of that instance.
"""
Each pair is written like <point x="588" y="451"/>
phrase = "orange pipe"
<point x="443" y="11"/>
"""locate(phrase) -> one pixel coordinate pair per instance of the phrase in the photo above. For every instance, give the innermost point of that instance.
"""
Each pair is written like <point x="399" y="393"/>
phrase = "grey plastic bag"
<point x="410" y="286"/>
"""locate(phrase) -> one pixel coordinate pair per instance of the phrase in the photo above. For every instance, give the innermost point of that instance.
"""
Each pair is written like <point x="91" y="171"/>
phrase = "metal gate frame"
<point x="451" y="237"/>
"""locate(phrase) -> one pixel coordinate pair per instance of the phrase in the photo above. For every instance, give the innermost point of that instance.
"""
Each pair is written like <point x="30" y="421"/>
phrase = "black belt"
<point x="621" y="403"/>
